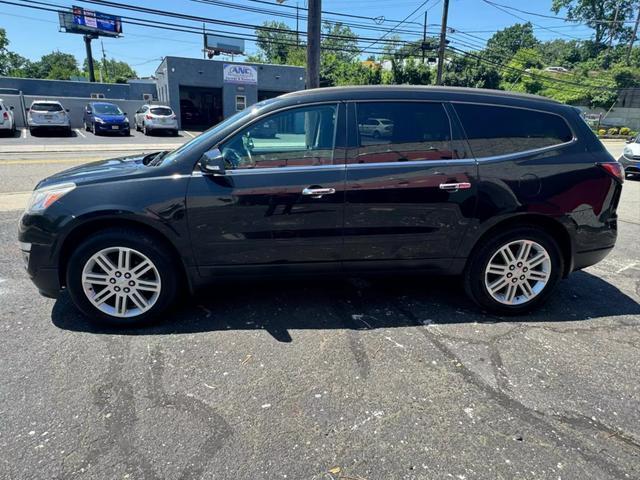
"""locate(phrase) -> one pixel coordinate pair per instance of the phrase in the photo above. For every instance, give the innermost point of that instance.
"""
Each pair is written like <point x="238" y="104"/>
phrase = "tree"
<point x="113" y="71"/>
<point x="599" y="15"/>
<point x="11" y="64"/>
<point x="56" y="66"/>
<point x="467" y="71"/>
<point x="275" y="42"/>
<point x="505" y="43"/>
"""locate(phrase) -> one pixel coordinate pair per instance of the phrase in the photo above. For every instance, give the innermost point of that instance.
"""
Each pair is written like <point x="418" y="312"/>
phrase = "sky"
<point x="33" y="33"/>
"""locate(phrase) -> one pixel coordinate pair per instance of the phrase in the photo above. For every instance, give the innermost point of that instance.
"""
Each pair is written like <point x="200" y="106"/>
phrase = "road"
<point x="397" y="378"/>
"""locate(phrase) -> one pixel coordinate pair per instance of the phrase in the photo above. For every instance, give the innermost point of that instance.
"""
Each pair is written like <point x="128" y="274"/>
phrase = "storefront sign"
<point x="245" y="74"/>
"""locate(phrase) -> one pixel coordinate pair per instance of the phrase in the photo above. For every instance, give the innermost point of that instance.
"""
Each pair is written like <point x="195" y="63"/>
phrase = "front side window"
<point x="403" y="131"/>
<point x="298" y="137"/>
<point x="493" y="130"/>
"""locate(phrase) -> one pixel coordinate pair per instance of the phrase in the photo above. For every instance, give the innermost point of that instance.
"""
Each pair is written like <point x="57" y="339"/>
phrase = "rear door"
<point x="280" y="203"/>
<point x="411" y="193"/>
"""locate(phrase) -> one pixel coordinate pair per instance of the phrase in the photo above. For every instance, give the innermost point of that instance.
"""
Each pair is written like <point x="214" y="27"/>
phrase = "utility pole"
<point x="297" y="24"/>
<point x="204" y="40"/>
<point x="314" y="22"/>
<point x="633" y="38"/>
<point x="443" y="40"/>
<point x="614" y="29"/>
<point x="424" y="37"/>
<point x="104" y="61"/>
<point x="87" y="44"/>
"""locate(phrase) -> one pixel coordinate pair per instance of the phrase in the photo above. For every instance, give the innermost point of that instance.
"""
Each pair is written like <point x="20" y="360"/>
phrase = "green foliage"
<point x="612" y="131"/>
<point x="465" y="71"/>
<point x="505" y="43"/>
<point x="602" y="132"/>
<point x="113" y="71"/>
<point x="599" y="15"/>
<point x="625" y="131"/>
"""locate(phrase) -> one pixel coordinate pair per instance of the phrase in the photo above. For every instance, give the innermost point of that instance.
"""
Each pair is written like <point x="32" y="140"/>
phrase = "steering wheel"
<point x="233" y="157"/>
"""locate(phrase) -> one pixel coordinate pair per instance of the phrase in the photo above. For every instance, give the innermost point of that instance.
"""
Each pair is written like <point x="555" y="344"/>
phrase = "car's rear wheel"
<point x="515" y="271"/>
<point x="121" y="277"/>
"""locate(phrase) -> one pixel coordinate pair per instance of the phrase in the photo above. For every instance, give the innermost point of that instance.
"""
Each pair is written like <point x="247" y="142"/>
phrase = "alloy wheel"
<point x="121" y="282"/>
<point x="518" y="272"/>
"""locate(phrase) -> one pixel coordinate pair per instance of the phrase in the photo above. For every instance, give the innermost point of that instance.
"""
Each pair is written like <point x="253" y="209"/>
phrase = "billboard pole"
<point x="87" y="44"/>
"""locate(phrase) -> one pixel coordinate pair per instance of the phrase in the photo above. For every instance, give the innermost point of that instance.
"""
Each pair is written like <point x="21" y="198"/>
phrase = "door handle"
<point x="454" y="187"/>
<point x="318" y="192"/>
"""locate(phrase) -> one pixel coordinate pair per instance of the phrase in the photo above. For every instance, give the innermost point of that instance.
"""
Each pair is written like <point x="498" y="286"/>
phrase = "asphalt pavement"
<point x="394" y="378"/>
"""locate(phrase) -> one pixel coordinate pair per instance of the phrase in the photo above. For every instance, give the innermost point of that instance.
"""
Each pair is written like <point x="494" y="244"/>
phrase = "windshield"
<point x="106" y="109"/>
<point x="212" y="132"/>
<point x="46" y="107"/>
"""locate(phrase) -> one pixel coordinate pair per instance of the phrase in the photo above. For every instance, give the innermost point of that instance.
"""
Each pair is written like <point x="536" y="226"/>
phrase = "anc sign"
<point x="240" y="74"/>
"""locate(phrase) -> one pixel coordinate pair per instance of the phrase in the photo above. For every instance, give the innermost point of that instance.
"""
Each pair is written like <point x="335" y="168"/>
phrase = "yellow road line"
<point x="45" y="161"/>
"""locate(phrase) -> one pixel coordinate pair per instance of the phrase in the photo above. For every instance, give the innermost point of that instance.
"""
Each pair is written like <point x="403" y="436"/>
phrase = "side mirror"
<point x="212" y="162"/>
<point x="12" y="108"/>
<point x="66" y="110"/>
<point x="629" y="140"/>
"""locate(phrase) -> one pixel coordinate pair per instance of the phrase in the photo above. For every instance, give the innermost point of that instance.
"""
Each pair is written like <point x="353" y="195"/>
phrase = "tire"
<point x="135" y="124"/>
<point x="163" y="274"/>
<point x="478" y="278"/>
<point x="376" y="134"/>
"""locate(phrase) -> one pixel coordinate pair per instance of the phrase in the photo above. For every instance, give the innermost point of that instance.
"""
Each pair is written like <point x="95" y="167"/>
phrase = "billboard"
<point x="220" y="44"/>
<point x="83" y="21"/>
<point x="244" y="74"/>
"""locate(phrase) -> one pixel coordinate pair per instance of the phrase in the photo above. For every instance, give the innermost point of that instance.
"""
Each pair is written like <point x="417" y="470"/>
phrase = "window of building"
<point x="241" y="103"/>
<point x="298" y="137"/>
<point x="403" y="131"/>
<point x="494" y="130"/>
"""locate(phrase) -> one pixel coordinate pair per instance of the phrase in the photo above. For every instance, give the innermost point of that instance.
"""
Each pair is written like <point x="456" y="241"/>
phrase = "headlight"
<point x="627" y="152"/>
<point x="99" y="120"/>
<point x="42" y="198"/>
<point x="126" y="119"/>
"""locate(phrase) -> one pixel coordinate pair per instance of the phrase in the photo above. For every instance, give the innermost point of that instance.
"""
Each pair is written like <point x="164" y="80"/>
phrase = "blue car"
<point x="103" y="117"/>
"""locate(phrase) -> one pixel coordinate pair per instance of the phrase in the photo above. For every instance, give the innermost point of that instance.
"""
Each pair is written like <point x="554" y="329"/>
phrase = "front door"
<point x="411" y="190"/>
<point x="280" y="203"/>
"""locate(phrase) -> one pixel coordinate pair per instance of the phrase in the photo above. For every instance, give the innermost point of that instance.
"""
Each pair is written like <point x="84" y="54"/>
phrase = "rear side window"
<point x="493" y="130"/>
<point x="46" y="107"/>
<point x="403" y="131"/>
<point x="162" y="111"/>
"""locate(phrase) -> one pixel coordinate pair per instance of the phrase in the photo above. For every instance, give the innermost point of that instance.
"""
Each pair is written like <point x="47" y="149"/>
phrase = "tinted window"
<point x="162" y="111"/>
<point x="106" y="109"/>
<point x="403" y="131"/>
<point x="46" y="107"/>
<point x="502" y="130"/>
<point x="297" y="137"/>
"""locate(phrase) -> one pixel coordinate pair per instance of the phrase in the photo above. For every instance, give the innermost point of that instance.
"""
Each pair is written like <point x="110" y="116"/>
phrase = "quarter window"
<point x="493" y="130"/>
<point x="403" y="131"/>
<point x="297" y="137"/>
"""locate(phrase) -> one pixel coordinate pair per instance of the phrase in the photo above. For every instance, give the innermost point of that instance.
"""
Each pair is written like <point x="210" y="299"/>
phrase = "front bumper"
<point x="45" y="278"/>
<point x="630" y="165"/>
<point x="112" y="127"/>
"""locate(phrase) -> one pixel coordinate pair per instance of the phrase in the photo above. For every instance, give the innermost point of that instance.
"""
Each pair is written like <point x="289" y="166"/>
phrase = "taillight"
<point x="6" y="116"/>
<point x="149" y="117"/>
<point x="614" y="169"/>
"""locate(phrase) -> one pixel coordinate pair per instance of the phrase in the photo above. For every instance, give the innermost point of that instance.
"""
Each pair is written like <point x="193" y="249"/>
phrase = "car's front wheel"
<point x="514" y="271"/>
<point x="122" y="277"/>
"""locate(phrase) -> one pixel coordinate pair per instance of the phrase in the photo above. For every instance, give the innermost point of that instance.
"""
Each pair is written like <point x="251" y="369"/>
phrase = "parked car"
<point x="154" y="118"/>
<point x="376" y="127"/>
<point x="513" y="203"/>
<point x="556" y="70"/>
<point x="190" y="114"/>
<point x="268" y="129"/>
<point x="48" y="115"/>
<point x="630" y="158"/>
<point x="104" y="117"/>
<point x="7" y="120"/>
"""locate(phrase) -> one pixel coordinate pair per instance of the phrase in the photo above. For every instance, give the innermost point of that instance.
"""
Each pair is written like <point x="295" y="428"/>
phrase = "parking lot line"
<point x="190" y="134"/>
<point x="80" y="133"/>
<point x="24" y="133"/>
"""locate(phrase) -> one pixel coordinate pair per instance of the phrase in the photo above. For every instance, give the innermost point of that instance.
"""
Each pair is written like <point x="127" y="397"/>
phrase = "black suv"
<point x="512" y="192"/>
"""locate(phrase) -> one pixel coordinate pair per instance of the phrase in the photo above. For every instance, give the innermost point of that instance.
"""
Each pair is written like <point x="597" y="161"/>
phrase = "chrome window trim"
<point x="414" y="163"/>
<point x="506" y="156"/>
<point x="256" y="171"/>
